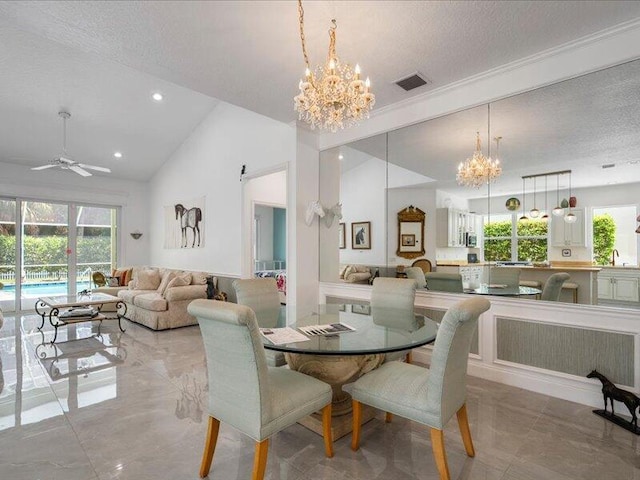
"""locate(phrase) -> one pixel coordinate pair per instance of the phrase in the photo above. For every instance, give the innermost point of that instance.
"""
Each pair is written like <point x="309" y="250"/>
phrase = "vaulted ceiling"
<point x="102" y="59"/>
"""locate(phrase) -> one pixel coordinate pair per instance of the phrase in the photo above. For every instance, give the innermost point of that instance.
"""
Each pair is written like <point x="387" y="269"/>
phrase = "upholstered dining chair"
<point x="444" y="282"/>
<point x="261" y="295"/>
<point x="397" y="293"/>
<point x="99" y="280"/>
<point x="416" y="273"/>
<point x="508" y="276"/>
<point x="243" y="391"/>
<point x="553" y="288"/>
<point x="424" y="264"/>
<point x="430" y="397"/>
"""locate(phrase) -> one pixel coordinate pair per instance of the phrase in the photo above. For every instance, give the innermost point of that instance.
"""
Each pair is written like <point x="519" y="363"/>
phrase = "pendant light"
<point x="523" y="218"/>
<point x="545" y="217"/>
<point x="570" y="217"/>
<point x="558" y="210"/>
<point x="534" y="212"/>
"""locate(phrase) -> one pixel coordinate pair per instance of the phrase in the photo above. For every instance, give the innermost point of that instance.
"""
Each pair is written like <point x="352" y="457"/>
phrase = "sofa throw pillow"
<point x="168" y="276"/>
<point x="348" y="271"/>
<point x="113" y="282"/>
<point x="178" y="281"/>
<point x="123" y="275"/>
<point x="343" y="269"/>
<point x="198" y="278"/>
<point x="148" y="280"/>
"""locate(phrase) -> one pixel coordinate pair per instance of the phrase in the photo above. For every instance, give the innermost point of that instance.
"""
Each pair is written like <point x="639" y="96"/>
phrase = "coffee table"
<point x="51" y="307"/>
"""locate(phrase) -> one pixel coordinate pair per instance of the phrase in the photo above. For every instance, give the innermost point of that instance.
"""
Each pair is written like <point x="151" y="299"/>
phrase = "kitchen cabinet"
<point x="563" y="234"/>
<point x="472" y="275"/>
<point x="619" y="285"/>
<point x="452" y="225"/>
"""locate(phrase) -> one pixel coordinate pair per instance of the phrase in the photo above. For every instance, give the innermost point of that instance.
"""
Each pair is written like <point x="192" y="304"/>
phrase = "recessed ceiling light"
<point x="157" y="97"/>
<point x="117" y="155"/>
<point x="340" y="157"/>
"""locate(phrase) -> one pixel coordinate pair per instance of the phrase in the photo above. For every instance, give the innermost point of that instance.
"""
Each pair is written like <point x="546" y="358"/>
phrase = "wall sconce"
<point x="136" y="235"/>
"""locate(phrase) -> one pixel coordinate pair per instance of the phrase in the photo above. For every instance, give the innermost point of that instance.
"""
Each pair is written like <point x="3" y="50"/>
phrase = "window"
<point x="614" y="228"/>
<point x="507" y="239"/>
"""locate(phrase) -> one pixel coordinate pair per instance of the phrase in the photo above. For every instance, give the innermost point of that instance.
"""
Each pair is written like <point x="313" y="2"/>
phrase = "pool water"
<point x="41" y="289"/>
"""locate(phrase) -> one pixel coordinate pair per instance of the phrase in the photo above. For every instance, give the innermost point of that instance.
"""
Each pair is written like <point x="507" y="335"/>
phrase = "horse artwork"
<point x="610" y="393"/>
<point x="184" y="225"/>
<point x="189" y="218"/>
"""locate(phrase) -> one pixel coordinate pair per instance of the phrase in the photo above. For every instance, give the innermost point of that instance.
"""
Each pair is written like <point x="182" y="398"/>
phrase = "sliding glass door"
<point x="49" y="248"/>
<point x="8" y="214"/>
<point x="96" y="239"/>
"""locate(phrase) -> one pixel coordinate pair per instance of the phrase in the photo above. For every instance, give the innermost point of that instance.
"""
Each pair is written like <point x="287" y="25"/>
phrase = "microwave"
<point x="471" y="240"/>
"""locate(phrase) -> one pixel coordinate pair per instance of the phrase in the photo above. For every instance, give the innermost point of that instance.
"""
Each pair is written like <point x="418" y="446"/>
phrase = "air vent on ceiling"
<point x="608" y="165"/>
<point x="412" y="81"/>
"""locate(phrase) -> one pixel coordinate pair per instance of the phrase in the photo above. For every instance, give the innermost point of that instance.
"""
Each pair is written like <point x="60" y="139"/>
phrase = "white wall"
<point x="208" y="164"/>
<point x="362" y="194"/>
<point x="132" y="197"/>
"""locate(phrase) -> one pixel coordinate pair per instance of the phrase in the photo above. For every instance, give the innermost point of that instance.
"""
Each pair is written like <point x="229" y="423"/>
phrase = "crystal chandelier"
<point x="334" y="96"/>
<point x="478" y="170"/>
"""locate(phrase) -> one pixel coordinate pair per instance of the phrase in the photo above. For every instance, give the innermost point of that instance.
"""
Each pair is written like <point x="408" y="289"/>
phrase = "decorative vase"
<point x="564" y="203"/>
<point x="572" y="202"/>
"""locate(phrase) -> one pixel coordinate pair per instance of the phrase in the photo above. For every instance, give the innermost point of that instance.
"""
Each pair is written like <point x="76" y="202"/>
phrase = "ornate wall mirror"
<point x="410" y="233"/>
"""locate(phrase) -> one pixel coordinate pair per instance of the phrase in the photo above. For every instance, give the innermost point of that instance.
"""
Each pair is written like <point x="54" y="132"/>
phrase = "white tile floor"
<point x="133" y="406"/>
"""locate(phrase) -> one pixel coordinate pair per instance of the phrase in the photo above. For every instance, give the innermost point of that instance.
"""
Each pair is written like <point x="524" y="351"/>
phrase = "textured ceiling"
<point x="110" y="104"/>
<point x="579" y="124"/>
<point x="248" y="53"/>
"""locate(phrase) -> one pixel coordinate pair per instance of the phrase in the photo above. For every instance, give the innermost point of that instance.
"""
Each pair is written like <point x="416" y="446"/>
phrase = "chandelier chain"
<point x="304" y="46"/>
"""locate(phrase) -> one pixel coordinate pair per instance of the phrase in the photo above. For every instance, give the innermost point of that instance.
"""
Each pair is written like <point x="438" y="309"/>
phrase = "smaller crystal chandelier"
<point x="334" y="96"/>
<point x="478" y="170"/>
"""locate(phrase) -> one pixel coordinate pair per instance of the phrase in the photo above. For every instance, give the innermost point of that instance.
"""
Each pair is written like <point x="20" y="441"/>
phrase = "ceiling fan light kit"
<point x="64" y="162"/>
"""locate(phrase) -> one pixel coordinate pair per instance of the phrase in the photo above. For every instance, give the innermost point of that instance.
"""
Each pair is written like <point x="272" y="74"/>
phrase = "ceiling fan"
<point x="64" y="162"/>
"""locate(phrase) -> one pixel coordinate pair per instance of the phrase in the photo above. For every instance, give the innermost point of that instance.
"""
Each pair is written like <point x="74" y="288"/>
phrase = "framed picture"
<point x="342" y="232"/>
<point x="361" y="235"/>
<point x="361" y="309"/>
<point x="408" y="240"/>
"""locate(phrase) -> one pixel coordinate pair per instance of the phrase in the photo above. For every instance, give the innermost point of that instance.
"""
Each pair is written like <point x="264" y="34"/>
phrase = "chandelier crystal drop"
<point x="333" y="96"/>
<point x="478" y="170"/>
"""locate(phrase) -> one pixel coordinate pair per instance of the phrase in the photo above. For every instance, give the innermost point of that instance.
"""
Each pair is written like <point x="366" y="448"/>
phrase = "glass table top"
<point x="504" y="291"/>
<point x="377" y="330"/>
<point x="78" y="299"/>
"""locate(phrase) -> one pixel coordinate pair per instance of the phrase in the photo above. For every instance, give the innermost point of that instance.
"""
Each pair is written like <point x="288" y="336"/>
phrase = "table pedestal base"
<point x="341" y="425"/>
<point x="336" y="370"/>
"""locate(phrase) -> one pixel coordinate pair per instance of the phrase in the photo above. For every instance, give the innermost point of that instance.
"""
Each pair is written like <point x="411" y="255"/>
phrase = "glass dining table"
<point x="504" y="291"/>
<point x="339" y="359"/>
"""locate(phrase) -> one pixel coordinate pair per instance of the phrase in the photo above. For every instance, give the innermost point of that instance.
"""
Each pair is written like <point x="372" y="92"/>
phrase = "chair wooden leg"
<point x="357" y="419"/>
<point x="209" y="446"/>
<point x="437" y="443"/>
<point x="463" y="422"/>
<point x="388" y="417"/>
<point x="326" y="431"/>
<point x="409" y="358"/>
<point x="260" y="460"/>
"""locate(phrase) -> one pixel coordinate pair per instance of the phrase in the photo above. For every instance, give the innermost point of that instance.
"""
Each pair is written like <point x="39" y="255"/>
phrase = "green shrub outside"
<point x="534" y="249"/>
<point x="604" y="238"/>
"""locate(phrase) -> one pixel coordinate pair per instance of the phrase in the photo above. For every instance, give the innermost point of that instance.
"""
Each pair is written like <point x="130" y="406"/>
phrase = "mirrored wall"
<point x="589" y="125"/>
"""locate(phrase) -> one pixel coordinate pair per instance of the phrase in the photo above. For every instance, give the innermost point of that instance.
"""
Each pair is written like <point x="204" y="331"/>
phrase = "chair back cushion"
<point x="553" y="287"/>
<point x="236" y="364"/>
<point x="447" y="383"/>
<point x="260" y="295"/>
<point x="508" y="276"/>
<point x="393" y="293"/>
<point x="423" y="263"/>
<point x="417" y="274"/>
<point x="444" y="282"/>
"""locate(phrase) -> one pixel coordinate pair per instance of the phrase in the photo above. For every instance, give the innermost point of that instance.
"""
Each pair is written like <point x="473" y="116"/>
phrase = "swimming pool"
<point x="40" y="289"/>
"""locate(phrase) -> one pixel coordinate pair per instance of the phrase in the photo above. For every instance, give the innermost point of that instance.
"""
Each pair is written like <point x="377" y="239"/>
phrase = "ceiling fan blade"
<point x="79" y="171"/>
<point x="43" y="167"/>
<point x="93" y="167"/>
